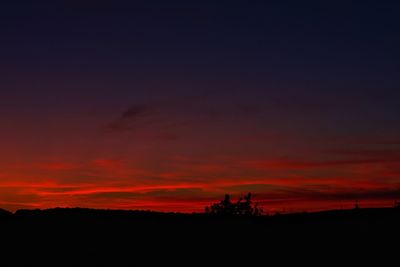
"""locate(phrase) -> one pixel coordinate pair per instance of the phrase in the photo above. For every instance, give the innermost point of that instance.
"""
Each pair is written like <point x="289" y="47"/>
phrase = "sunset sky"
<point x="168" y="105"/>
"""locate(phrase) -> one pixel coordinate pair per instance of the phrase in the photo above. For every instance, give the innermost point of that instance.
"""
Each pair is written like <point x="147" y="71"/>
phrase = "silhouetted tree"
<point x="225" y="207"/>
<point x="243" y="207"/>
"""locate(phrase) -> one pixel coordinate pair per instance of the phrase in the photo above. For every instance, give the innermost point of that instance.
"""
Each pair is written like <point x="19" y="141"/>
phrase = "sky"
<point x="168" y="105"/>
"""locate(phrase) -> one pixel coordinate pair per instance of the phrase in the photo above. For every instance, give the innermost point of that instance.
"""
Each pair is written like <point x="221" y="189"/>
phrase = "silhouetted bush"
<point x="243" y="207"/>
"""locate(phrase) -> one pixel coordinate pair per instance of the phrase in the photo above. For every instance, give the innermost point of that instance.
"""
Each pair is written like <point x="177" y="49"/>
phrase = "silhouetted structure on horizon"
<point x="356" y="205"/>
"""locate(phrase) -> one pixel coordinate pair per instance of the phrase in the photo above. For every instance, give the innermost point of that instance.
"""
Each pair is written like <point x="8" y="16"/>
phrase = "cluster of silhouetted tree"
<point x="244" y="207"/>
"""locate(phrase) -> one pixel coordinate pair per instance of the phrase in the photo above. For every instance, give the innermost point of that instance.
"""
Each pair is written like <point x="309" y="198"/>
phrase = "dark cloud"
<point x="322" y="193"/>
<point x="135" y="111"/>
<point x="373" y="194"/>
<point x="179" y="193"/>
<point x="128" y="118"/>
<point x="250" y="188"/>
<point x="115" y="195"/>
<point x="163" y="120"/>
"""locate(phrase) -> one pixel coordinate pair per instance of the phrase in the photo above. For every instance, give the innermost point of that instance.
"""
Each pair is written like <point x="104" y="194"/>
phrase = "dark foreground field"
<point x="81" y="237"/>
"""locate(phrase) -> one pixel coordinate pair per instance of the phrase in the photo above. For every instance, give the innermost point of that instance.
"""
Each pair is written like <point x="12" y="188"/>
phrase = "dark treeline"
<point x="90" y="237"/>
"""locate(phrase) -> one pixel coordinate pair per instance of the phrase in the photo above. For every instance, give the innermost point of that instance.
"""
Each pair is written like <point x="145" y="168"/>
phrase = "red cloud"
<point x="187" y="184"/>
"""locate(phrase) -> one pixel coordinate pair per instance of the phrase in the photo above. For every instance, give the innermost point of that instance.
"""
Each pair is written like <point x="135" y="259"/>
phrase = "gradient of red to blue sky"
<point x="168" y="106"/>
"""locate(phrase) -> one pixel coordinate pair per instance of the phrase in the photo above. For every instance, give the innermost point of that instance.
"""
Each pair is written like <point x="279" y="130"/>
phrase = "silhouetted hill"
<point x="5" y="214"/>
<point x="87" y="237"/>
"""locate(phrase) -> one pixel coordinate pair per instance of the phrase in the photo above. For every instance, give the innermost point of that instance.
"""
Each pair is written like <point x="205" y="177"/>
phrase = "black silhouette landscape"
<point x="68" y="236"/>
